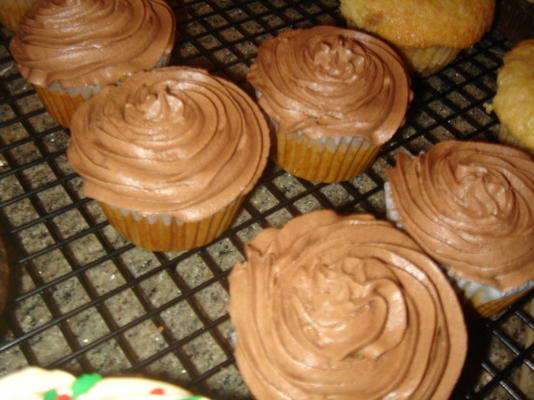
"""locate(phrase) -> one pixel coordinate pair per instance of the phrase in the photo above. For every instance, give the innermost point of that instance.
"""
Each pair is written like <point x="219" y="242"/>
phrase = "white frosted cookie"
<point x="34" y="383"/>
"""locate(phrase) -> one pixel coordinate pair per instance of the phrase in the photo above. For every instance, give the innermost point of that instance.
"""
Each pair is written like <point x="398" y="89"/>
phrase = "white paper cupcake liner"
<point x="165" y="219"/>
<point x="170" y="233"/>
<point x="325" y="159"/>
<point x="86" y="91"/>
<point x="329" y="159"/>
<point x="151" y="219"/>
<point x="333" y="144"/>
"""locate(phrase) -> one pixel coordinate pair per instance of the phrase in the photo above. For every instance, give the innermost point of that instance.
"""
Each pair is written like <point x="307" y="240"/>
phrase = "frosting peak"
<point x="155" y="103"/>
<point x="91" y="42"/>
<point x="340" y="58"/>
<point x="328" y="81"/>
<point x="470" y="206"/>
<point x="174" y="141"/>
<point x="329" y="306"/>
<point x="354" y="298"/>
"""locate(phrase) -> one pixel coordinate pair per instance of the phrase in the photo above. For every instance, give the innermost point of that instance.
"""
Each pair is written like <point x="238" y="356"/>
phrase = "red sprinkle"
<point x="155" y="391"/>
<point x="63" y="397"/>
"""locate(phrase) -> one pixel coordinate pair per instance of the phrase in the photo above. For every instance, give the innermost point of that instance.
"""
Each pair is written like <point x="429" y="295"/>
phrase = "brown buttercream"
<point x="91" y="42"/>
<point x="327" y="81"/>
<point x="344" y="308"/>
<point x="470" y="205"/>
<point x="173" y="141"/>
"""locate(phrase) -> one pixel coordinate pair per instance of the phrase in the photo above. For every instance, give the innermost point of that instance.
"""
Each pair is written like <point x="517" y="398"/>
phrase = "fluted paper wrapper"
<point x="427" y="60"/>
<point x="59" y="104"/>
<point x="167" y="233"/>
<point x="326" y="159"/>
<point x="485" y="300"/>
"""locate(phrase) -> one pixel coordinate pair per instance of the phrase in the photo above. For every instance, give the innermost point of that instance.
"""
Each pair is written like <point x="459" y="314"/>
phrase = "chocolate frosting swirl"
<point x="97" y="42"/>
<point x="328" y="81"/>
<point x="333" y="307"/>
<point x="470" y="206"/>
<point x="173" y="141"/>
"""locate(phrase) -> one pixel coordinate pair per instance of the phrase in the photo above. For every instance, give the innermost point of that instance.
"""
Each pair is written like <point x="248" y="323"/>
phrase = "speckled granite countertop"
<point x="83" y="299"/>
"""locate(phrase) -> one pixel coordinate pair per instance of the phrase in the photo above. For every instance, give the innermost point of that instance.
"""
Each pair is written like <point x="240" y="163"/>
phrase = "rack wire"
<point x="84" y="299"/>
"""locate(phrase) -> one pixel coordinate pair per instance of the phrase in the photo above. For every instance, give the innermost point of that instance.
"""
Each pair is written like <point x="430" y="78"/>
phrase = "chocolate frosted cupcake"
<point x="334" y="97"/>
<point x="70" y="49"/>
<point x="169" y="154"/>
<point x="428" y="33"/>
<point x="470" y="205"/>
<point x="34" y="383"/>
<point x="344" y="307"/>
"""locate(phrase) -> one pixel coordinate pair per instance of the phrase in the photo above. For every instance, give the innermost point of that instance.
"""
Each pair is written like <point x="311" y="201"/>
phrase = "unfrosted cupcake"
<point x="169" y="154"/>
<point x="344" y="307"/>
<point x="70" y="49"/>
<point x="33" y="383"/>
<point x="429" y="33"/>
<point x="334" y="97"/>
<point x="514" y="101"/>
<point x="11" y="12"/>
<point x="470" y="205"/>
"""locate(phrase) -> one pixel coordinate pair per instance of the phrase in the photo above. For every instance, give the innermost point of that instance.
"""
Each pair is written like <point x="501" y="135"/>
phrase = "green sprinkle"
<point x="84" y="383"/>
<point x="50" y="395"/>
<point x="193" y="398"/>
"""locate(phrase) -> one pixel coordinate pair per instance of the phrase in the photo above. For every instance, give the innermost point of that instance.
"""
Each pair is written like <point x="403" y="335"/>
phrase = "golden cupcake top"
<point x="91" y="42"/>
<point x="344" y="307"/>
<point x="33" y="383"/>
<point x="470" y="205"/>
<point x="514" y="101"/>
<point x="331" y="82"/>
<point x="173" y="141"/>
<point x="423" y="23"/>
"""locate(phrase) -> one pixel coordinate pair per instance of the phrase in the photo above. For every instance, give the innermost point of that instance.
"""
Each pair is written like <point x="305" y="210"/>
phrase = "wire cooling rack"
<point x="84" y="299"/>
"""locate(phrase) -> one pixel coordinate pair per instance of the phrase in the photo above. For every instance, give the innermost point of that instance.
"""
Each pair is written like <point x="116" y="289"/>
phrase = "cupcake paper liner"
<point x="61" y="102"/>
<point x="60" y="105"/>
<point x="428" y="60"/>
<point x="167" y="233"/>
<point x="484" y="299"/>
<point x="326" y="159"/>
<point x="12" y="11"/>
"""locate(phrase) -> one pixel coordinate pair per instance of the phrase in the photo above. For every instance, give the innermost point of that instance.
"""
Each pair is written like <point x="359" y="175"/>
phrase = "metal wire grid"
<point x="83" y="299"/>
